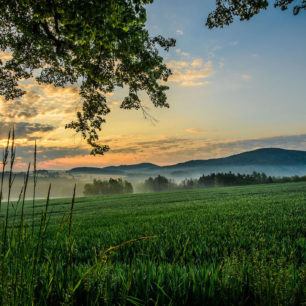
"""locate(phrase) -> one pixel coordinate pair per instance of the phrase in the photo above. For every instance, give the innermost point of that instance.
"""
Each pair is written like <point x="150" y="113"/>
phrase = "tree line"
<point x="112" y="186"/>
<point x="162" y="183"/>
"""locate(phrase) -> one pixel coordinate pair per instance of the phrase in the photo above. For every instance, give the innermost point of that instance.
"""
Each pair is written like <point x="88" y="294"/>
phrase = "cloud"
<point x="163" y="141"/>
<point x="26" y="107"/>
<point x="188" y="74"/>
<point x="40" y="100"/>
<point x="25" y="153"/>
<point x="246" y="77"/>
<point x="24" y="129"/>
<point x="194" y="83"/>
<point x="174" y="149"/>
<point x="179" y="32"/>
<point x="198" y="62"/>
<point x="177" y="65"/>
<point x="180" y="52"/>
<point x="160" y="150"/>
<point x="213" y="51"/>
<point x="234" y="43"/>
<point x="166" y="150"/>
<point x="297" y="142"/>
<point x="5" y="56"/>
<point x="196" y="131"/>
<point x="224" y="148"/>
<point x="126" y="150"/>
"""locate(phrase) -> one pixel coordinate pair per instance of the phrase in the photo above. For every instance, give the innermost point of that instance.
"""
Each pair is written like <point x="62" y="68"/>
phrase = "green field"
<point x="231" y="245"/>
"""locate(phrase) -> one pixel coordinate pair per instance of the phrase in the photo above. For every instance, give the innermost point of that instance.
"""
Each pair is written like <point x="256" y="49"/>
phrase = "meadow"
<point x="214" y="246"/>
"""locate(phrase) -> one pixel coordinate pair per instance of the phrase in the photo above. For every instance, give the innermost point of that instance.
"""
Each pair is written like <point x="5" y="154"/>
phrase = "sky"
<point x="233" y="89"/>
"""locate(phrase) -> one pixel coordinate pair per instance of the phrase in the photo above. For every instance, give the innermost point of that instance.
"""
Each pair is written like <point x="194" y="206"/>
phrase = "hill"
<point x="273" y="161"/>
<point x="116" y="169"/>
<point x="270" y="156"/>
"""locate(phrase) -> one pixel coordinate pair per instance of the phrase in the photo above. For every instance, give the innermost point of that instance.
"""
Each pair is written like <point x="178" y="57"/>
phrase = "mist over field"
<point x="272" y="162"/>
<point x="62" y="185"/>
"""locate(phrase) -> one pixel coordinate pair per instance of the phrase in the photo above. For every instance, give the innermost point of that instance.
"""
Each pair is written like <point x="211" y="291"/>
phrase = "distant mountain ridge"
<point x="115" y="169"/>
<point x="267" y="156"/>
<point x="259" y="158"/>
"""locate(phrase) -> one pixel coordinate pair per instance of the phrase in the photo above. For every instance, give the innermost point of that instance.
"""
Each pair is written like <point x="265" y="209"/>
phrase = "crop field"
<point x="221" y="246"/>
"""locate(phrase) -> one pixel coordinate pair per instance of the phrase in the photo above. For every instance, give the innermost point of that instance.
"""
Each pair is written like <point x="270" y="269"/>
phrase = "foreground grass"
<point x="234" y="245"/>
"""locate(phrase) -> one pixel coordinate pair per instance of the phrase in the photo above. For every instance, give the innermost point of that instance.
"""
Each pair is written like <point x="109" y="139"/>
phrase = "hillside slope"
<point x="273" y="161"/>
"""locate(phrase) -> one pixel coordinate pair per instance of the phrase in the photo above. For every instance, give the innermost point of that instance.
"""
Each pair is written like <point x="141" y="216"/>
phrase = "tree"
<point x="100" y="45"/>
<point x="226" y="10"/>
<point x="159" y="183"/>
<point x="112" y="186"/>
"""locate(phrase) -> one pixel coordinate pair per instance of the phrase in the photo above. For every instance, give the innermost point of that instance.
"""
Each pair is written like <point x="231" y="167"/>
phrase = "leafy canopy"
<point x="226" y="10"/>
<point x="98" y="44"/>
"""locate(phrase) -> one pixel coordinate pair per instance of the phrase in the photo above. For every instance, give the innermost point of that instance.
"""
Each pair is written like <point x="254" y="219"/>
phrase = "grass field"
<point x="232" y="245"/>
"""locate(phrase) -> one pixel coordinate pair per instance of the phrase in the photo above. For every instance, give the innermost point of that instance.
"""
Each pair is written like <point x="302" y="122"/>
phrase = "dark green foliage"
<point x="232" y="179"/>
<point x="157" y="184"/>
<point x="226" y="10"/>
<point x="161" y="183"/>
<point x="99" y="45"/>
<point x="112" y="186"/>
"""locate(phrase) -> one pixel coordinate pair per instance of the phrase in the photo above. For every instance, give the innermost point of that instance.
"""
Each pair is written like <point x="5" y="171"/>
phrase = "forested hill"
<point x="273" y="161"/>
<point x="270" y="156"/>
<point x="116" y="169"/>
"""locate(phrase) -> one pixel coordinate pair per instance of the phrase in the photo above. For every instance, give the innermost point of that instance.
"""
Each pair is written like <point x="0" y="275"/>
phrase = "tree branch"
<point x="50" y="35"/>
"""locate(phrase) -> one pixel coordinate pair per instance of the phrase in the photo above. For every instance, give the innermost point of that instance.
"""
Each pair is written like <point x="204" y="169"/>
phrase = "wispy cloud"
<point x="246" y="77"/>
<point x="213" y="52"/>
<point x="189" y="74"/>
<point x="180" y="52"/>
<point x="24" y="129"/>
<point x="50" y="153"/>
<point x="41" y="114"/>
<point x="221" y="64"/>
<point x="40" y="100"/>
<point x="234" y="43"/>
<point x="160" y="150"/>
<point x="5" y="56"/>
<point x="198" y="62"/>
<point x="179" y="32"/>
<point x="196" y="131"/>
